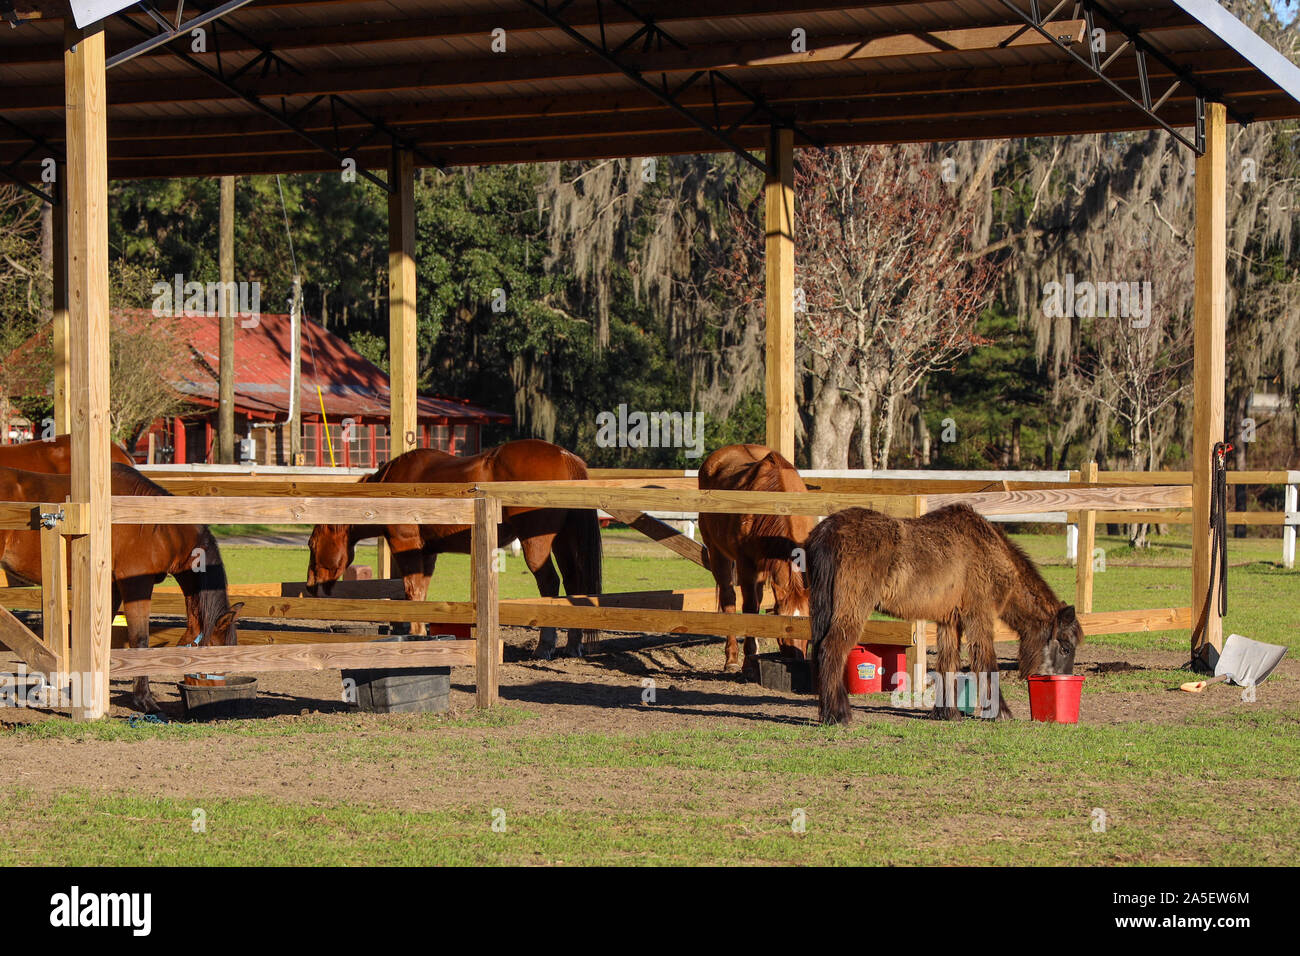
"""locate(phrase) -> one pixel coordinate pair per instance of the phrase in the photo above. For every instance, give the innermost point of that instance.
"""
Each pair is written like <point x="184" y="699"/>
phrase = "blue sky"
<point x="1287" y="9"/>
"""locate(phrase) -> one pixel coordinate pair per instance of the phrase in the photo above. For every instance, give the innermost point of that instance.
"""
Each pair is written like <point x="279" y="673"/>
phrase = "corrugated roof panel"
<point x="426" y="69"/>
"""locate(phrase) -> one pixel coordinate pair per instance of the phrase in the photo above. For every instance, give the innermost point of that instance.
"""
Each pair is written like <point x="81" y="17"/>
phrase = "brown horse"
<point x="571" y="535"/>
<point x="757" y="548"/>
<point x="142" y="556"/>
<point x="53" y="457"/>
<point x="950" y="566"/>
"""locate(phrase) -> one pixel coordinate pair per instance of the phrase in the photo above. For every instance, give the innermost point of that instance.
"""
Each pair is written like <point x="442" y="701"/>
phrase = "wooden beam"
<point x="15" y="635"/>
<point x="779" y="292"/>
<point x="1033" y="501"/>
<point x="403" y="412"/>
<point x="946" y="91"/>
<point x="365" y="511"/>
<point x="152" y="661"/>
<point x="312" y="487"/>
<point x="483" y="571"/>
<point x="227" y="304"/>
<point x="54" y="595"/>
<point x="1209" y="307"/>
<point x="59" y="221"/>
<point x="665" y="534"/>
<point x="87" y="201"/>
<point x="335" y="609"/>
<point x="1083" y="567"/>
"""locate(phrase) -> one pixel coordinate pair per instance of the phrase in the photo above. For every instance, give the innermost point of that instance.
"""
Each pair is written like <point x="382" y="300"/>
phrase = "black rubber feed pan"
<point x="234" y="698"/>
<point x="402" y="690"/>
<point x="782" y="673"/>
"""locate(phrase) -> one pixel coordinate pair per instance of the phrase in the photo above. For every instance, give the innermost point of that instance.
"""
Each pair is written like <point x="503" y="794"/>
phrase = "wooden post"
<point x="916" y="654"/>
<point x="59" y="232"/>
<point x="917" y="663"/>
<point x="1083" y="570"/>
<point x="401" y="304"/>
<point x="1209" y="308"/>
<point x="779" y="292"/>
<point x="227" y="303"/>
<point x="294" y="423"/>
<point x="1288" y="532"/>
<point x="54" y="599"/>
<point x="483" y="571"/>
<point x="87" y="212"/>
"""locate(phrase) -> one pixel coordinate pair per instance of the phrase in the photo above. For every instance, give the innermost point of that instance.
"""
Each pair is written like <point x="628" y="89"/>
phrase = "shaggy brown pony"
<point x="757" y="548"/>
<point x="142" y="555"/>
<point x="571" y="535"/>
<point x="950" y="566"/>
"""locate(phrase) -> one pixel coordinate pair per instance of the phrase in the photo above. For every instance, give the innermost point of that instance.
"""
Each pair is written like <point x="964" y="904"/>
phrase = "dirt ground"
<point x="601" y="693"/>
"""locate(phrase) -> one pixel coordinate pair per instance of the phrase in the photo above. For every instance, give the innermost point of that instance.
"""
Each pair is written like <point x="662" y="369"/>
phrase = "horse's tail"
<point x="582" y="527"/>
<point x="839" y="606"/>
<point x="819" y="578"/>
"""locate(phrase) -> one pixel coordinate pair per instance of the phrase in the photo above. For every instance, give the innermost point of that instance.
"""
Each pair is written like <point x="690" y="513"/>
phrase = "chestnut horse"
<point x="53" y="457"/>
<point x="142" y="556"/>
<point x="571" y="535"/>
<point x="757" y="548"/>
<point x="950" y="566"/>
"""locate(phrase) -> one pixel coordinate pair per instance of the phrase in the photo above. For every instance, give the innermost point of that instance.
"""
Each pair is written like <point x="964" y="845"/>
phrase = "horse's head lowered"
<point x="332" y="550"/>
<point x="790" y="589"/>
<point x="1053" y="653"/>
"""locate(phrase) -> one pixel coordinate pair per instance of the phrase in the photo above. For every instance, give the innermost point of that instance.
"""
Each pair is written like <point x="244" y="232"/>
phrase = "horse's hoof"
<point x="543" y="653"/>
<point x="946" y="713"/>
<point x="573" y="651"/>
<point x="750" y="669"/>
<point x="146" y="704"/>
<point x="731" y="667"/>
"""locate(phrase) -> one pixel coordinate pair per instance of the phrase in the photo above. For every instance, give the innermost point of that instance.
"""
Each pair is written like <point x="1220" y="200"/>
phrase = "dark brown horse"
<point x="571" y="535"/>
<point x="756" y="549"/>
<point x="950" y="566"/>
<point x="142" y="556"/>
<point x="53" y="457"/>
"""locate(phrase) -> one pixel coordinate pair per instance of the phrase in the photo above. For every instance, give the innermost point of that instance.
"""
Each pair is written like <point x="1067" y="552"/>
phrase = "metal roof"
<point x="350" y="385"/>
<point x="299" y="85"/>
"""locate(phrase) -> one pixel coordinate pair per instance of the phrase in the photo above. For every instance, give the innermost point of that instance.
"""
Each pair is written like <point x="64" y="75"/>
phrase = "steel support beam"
<point x="267" y="61"/>
<point x="650" y="35"/>
<point x="1135" y="45"/>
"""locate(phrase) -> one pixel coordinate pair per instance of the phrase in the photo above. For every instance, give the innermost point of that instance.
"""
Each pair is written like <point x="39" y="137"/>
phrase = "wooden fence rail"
<point x="230" y="500"/>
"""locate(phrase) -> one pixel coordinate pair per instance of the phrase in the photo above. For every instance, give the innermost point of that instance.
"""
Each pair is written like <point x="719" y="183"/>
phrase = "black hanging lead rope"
<point x="1218" y="551"/>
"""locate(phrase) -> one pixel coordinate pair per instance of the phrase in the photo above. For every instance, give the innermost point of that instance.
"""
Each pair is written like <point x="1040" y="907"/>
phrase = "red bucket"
<point x="862" y="672"/>
<point x="1054" y="698"/>
<point x="893" y="661"/>
<point x="870" y="668"/>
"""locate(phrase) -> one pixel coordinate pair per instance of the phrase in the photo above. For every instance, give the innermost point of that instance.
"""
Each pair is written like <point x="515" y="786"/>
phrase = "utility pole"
<point x="295" y="376"/>
<point x="228" y="302"/>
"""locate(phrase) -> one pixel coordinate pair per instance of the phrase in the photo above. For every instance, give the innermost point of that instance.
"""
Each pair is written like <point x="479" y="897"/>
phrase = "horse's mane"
<point x="773" y="473"/>
<point x="1030" y="576"/>
<point x="379" y="472"/>
<point x="214" y="599"/>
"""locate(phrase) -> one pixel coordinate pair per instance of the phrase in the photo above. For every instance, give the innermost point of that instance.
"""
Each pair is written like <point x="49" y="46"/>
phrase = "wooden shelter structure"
<point x="259" y="86"/>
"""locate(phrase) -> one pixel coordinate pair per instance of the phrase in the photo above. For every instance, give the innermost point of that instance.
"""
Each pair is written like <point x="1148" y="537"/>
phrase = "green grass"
<point x="1213" y="787"/>
<point x="882" y="792"/>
